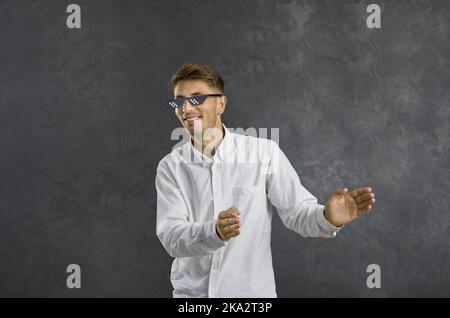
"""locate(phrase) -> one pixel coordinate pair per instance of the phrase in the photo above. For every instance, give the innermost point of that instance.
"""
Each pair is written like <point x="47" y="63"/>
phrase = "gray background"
<point x="83" y="125"/>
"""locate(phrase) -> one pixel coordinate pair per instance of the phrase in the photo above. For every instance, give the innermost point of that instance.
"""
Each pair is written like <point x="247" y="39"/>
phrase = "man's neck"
<point x="210" y="143"/>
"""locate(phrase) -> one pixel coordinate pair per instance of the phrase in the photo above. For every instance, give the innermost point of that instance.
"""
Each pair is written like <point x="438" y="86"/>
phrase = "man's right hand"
<point x="228" y="224"/>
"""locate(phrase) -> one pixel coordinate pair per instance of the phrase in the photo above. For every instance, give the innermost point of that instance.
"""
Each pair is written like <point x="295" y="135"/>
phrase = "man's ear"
<point x="222" y="104"/>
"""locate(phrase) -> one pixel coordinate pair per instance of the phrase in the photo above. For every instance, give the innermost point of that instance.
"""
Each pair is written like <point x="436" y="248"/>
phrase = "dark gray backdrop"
<point x="84" y="124"/>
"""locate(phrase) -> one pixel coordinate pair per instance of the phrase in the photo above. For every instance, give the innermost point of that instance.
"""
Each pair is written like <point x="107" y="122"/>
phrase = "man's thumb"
<point x="342" y="190"/>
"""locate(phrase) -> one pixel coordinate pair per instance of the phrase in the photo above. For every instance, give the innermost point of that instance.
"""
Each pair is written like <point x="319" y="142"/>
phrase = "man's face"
<point x="206" y="115"/>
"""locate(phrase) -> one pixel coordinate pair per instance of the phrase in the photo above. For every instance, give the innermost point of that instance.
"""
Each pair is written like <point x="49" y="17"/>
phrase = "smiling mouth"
<point x="191" y="119"/>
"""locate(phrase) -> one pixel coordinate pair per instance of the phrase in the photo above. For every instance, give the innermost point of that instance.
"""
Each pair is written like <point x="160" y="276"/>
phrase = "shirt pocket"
<point x="249" y="201"/>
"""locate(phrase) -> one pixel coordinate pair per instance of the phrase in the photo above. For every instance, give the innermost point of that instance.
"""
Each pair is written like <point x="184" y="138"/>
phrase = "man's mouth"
<point x="191" y="118"/>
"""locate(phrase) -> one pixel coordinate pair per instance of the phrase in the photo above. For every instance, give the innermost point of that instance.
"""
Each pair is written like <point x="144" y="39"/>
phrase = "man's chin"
<point x="194" y="129"/>
<point x="196" y="123"/>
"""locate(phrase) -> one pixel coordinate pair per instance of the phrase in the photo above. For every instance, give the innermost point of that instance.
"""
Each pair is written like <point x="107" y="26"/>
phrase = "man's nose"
<point x="187" y="106"/>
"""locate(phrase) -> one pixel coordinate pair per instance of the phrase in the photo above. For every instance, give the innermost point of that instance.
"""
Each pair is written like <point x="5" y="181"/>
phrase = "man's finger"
<point x="225" y="222"/>
<point x="364" y="197"/>
<point x="225" y="214"/>
<point x="366" y="203"/>
<point x="229" y="213"/>
<point x="360" y="191"/>
<point x="234" y="211"/>
<point x="341" y="190"/>
<point x="365" y="210"/>
<point x="230" y="228"/>
<point x="235" y="233"/>
<point x="219" y="232"/>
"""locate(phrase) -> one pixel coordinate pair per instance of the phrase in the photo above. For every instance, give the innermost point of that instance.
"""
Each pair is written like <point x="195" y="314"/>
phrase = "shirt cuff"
<point x="212" y="239"/>
<point x="326" y="226"/>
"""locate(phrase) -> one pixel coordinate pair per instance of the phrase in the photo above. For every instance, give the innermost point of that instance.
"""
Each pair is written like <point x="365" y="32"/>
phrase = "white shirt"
<point x="251" y="174"/>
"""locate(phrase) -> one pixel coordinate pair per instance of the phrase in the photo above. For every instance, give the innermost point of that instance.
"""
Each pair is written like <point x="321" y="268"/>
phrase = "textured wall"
<point x="83" y="125"/>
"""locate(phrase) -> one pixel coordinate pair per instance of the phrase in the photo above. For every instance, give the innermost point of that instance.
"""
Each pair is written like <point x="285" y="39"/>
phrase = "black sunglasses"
<point x="194" y="100"/>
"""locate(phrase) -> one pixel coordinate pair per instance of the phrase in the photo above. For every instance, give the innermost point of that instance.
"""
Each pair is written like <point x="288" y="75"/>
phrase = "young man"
<point x="214" y="209"/>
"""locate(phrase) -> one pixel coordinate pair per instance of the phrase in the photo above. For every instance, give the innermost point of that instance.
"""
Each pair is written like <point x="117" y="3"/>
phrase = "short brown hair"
<point x="198" y="72"/>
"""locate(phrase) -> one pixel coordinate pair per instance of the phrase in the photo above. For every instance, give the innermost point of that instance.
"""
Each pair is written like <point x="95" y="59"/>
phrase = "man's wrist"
<point x="328" y="219"/>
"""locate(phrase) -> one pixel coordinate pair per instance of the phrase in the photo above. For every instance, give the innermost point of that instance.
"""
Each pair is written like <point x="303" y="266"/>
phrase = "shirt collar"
<point x="222" y="150"/>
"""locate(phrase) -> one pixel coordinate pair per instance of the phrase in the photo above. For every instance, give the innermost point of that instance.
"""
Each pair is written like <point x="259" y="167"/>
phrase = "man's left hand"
<point x="343" y="207"/>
